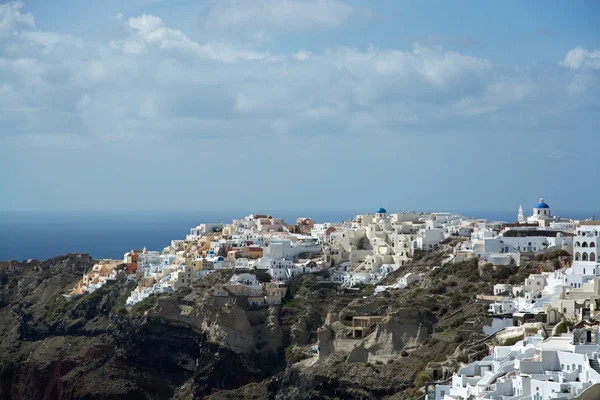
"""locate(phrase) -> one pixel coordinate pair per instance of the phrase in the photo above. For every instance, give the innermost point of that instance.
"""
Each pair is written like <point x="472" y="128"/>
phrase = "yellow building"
<point x="197" y="265"/>
<point x="147" y="282"/>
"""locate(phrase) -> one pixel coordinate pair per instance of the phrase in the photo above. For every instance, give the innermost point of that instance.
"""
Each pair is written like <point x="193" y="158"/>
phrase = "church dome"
<point x="542" y="204"/>
<point x="381" y="210"/>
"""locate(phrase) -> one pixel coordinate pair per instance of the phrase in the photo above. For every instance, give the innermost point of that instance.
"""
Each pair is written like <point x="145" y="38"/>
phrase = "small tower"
<point x="521" y="217"/>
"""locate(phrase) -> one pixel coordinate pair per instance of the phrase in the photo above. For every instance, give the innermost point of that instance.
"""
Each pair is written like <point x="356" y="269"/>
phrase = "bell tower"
<point x="521" y="217"/>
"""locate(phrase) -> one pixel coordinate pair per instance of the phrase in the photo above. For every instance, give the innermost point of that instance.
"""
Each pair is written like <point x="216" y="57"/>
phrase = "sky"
<point x="299" y="105"/>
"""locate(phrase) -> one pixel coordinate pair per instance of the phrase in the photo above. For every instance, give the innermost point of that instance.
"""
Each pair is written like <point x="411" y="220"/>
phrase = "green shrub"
<point x="439" y="288"/>
<point x="512" y="341"/>
<point x="57" y="308"/>
<point x="419" y="254"/>
<point x="369" y="290"/>
<point x="462" y="358"/>
<point x="555" y="254"/>
<point x="563" y="327"/>
<point x="144" y="305"/>
<point x="421" y="379"/>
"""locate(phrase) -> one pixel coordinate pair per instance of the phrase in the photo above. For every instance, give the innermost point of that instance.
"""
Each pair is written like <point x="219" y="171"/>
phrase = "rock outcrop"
<point x="326" y="343"/>
<point x="397" y="332"/>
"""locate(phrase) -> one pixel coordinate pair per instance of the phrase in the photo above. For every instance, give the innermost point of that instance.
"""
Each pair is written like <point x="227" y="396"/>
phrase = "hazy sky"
<point x="299" y="104"/>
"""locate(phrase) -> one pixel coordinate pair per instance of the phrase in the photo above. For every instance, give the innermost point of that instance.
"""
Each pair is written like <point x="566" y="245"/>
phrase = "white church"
<point x="542" y="215"/>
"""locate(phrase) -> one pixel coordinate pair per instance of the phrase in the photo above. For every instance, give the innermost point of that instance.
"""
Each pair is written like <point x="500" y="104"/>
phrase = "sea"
<point x="40" y="235"/>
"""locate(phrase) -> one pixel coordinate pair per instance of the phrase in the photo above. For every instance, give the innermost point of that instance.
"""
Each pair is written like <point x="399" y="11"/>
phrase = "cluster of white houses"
<point x="361" y="250"/>
<point x="561" y="366"/>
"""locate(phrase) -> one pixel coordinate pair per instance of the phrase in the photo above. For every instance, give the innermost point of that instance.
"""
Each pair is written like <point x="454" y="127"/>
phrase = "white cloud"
<point x="50" y="39"/>
<point x="29" y="71"/>
<point x="435" y="66"/>
<point x="505" y="91"/>
<point x="279" y="14"/>
<point x="150" y="30"/>
<point x="12" y="19"/>
<point x="580" y="58"/>
<point x="302" y="55"/>
<point x="155" y="81"/>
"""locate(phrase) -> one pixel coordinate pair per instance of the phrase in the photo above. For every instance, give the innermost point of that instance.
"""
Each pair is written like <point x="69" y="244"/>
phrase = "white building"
<point x="248" y="280"/>
<point x="284" y="249"/>
<point x="202" y="230"/>
<point x="408" y="279"/>
<point x="534" y="283"/>
<point x="500" y="288"/>
<point x="431" y="235"/>
<point x="149" y="257"/>
<point x="505" y="306"/>
<point x="585" y="249"/>
<point x="585" y="255"/>
<point x="542" y="214"/>
<point x="556" y="368"/>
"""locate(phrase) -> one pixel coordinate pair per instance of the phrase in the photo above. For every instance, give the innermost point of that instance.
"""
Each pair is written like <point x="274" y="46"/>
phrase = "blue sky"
<point x="298" y="104"/>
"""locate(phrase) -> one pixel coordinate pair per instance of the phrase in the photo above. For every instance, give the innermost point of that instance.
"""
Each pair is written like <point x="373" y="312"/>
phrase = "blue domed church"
<point x="542" y="214"/>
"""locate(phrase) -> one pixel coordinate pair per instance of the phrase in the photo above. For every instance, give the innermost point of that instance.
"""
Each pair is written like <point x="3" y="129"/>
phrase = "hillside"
<point x="183" y="346"/>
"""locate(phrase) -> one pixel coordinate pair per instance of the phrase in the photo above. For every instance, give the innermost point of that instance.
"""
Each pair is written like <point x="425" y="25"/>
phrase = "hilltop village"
<point x="547" y="322"/>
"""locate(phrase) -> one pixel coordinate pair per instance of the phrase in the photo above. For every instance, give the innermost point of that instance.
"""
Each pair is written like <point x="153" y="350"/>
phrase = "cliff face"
<point x="91" y="347"/>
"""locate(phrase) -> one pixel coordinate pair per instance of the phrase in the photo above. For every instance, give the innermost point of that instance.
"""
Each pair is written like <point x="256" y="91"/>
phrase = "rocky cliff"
<point x="183" y="346"/>
<point x="92" y="347"/>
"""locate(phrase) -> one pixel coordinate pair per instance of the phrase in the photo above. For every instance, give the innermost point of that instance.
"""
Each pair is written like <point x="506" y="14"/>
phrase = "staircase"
<point x="595" y="365"/>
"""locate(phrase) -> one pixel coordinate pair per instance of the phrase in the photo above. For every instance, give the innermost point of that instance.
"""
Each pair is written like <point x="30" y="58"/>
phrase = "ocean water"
<point x="41" y="235"/>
